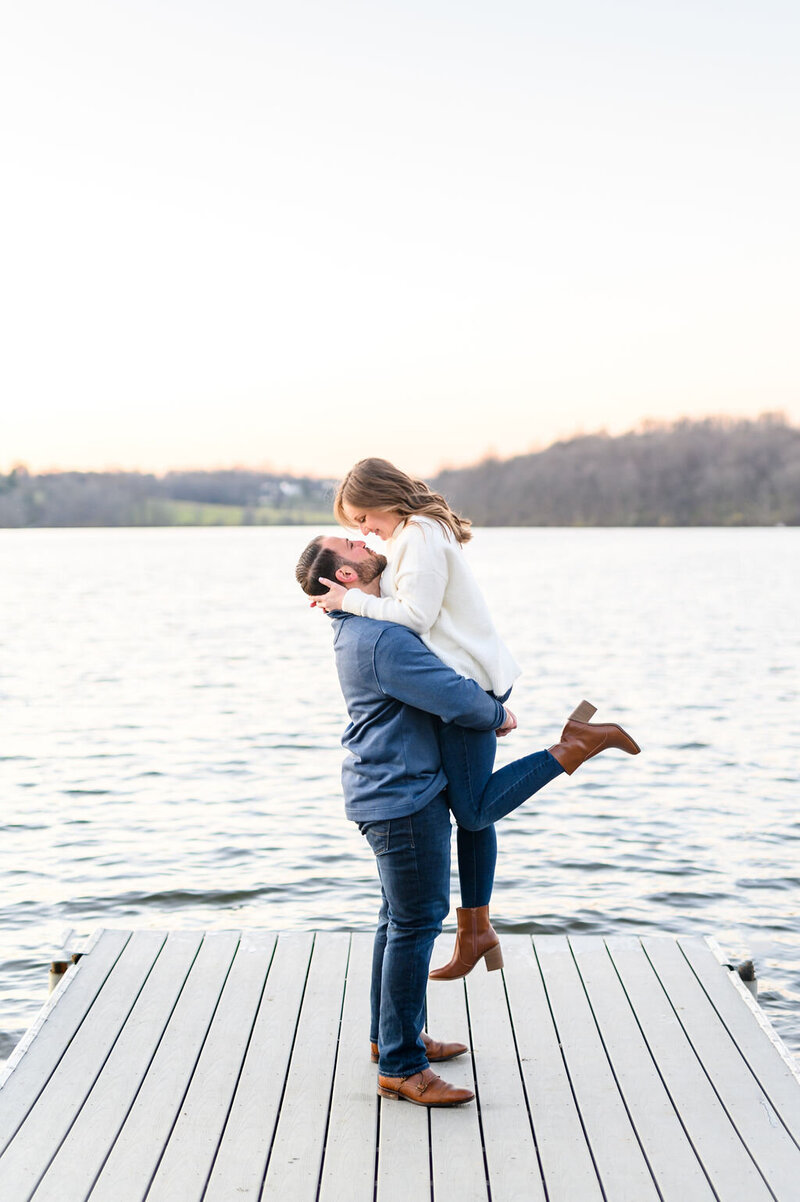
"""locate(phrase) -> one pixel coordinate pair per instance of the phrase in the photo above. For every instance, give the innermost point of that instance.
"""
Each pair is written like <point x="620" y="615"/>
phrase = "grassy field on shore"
<point x="202" y="513"/>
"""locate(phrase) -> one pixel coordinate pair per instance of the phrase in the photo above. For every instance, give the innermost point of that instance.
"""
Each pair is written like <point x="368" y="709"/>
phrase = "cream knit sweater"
<point x="429" y="587"/>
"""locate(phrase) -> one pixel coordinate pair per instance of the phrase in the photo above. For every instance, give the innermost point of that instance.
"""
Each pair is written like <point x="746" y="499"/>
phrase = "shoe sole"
<point x="401" y="1097"/>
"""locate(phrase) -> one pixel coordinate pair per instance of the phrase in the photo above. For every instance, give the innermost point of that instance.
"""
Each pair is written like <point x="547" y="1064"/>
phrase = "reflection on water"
<point x="170" y="741"/>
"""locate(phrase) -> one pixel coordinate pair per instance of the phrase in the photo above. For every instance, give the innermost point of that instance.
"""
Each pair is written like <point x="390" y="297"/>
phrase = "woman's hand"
<point x="332" y="599"/>
<point x="509" y="724"/>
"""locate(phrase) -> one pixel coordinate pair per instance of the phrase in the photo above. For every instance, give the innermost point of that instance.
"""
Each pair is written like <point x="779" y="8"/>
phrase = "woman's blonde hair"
<point x="378" y="484"/>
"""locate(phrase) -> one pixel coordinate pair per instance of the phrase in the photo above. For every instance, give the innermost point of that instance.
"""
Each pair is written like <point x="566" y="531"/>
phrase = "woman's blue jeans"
<point x="413" y="859"/>
<point x="479" y="797"/>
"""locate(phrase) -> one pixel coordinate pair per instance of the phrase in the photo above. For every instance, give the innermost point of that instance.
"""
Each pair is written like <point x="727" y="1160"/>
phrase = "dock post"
<point x="62" y="959"/>
<point x="747" y="973"/>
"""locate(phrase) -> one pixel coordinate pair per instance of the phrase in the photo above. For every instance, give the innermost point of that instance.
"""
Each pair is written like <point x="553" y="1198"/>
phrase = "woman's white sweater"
<point x="429" y="587"/>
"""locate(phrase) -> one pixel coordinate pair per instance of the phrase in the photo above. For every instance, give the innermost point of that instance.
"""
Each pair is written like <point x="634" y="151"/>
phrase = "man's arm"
<point x="406" y="670"/>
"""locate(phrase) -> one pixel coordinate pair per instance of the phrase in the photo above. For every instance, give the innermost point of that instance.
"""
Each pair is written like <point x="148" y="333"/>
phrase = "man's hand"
<point x="332" y="599"/>
<point x="509" y="724"/>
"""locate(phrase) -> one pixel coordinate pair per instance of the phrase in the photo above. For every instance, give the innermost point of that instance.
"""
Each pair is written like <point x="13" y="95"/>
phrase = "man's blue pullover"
<point x="395" y="690"/>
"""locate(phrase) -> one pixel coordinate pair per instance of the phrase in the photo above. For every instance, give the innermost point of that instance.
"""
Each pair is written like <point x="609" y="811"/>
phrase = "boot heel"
<point x="584" y="712"/>
<point x="493" y="959"/>
<point x="387" y="1093"/>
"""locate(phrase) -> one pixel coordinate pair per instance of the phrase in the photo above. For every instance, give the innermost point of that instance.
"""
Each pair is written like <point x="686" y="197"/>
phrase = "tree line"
<point x="716" y="472"/>
<point x="192" y="498"/>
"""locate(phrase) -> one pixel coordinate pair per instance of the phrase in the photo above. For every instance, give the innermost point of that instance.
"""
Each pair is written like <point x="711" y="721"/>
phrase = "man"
<point x="397" y="692"/>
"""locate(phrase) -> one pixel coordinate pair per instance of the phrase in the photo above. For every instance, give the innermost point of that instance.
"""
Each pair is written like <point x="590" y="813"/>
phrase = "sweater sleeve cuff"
<point x="353" y="601"/>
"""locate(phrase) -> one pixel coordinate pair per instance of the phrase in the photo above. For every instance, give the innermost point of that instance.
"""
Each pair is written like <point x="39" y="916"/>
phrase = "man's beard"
<point x="368" y="569"/>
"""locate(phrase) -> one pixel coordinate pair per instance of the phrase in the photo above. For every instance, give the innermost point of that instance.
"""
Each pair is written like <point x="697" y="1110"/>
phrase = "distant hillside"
<point x="228" y="498"/>
<point x="708" y="473"/>
<point x="716" y="472"/>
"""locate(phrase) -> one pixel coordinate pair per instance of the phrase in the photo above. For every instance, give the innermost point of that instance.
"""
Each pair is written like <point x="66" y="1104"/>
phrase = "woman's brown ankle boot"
<point x="476" y="939"/>
<point x="582" y="739"/>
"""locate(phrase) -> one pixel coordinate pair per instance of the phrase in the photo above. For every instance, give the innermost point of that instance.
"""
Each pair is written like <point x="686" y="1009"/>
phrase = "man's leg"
<point x="378" y="950"/>
<point x="413" y="859"/>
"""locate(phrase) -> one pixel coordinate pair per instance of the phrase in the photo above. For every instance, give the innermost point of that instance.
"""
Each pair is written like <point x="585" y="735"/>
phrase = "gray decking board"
<point x="196" y="1067"/>
<point x="456" y="1147"/>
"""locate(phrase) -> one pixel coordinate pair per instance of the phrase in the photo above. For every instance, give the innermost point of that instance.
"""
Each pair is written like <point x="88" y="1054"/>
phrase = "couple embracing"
<point x="425" y="679"/>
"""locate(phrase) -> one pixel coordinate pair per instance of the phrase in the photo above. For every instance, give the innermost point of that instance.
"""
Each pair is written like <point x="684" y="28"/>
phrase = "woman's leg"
<point x="467" y="759"/>
<point x="478" y="796"/>
<point x="477" y="856"/>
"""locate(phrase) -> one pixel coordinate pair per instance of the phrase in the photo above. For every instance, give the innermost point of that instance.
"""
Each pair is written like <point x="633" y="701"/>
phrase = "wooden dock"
<point x="230" y="1065"/>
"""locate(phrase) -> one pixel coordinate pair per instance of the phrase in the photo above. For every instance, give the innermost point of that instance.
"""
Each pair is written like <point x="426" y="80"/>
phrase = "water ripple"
<point x="197" y="782"/>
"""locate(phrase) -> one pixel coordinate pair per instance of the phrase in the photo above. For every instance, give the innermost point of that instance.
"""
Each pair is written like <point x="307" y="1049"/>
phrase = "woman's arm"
<point x="417" y="605"/>
<point x="420" y="580"/>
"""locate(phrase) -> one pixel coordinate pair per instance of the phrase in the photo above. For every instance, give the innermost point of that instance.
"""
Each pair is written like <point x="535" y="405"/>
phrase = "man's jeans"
<point x="413" y="858"/>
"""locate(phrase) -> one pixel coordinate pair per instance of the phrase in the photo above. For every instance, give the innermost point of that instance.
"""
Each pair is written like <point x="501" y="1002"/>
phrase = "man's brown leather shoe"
<point x="582" y="739"/>
<point x="424" y="1089"/>
<point x="435" y="1050"/>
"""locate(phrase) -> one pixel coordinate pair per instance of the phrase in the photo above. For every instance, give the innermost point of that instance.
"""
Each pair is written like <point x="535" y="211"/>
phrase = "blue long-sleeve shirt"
<point x="396" y="691"/>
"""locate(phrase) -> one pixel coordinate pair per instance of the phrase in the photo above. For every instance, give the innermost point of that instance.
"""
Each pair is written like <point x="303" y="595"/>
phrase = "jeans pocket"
<point x="395" y="835"/>
<point x="376" y="834"/>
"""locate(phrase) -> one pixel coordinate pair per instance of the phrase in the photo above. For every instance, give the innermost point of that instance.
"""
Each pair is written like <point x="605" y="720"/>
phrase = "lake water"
<point x="170" y="723"/>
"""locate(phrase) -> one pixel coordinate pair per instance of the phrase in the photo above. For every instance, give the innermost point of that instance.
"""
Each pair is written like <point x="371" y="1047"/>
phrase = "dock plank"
<point x="726" y="1161"/>
<point x="621" y="1165"/>
<point x="762" y="1132"/>
<point x="35" y="1058"/>
<point x="48" y="1121"/>
<point x="512" y="1163"/>
<point x="777" y="1077"/>
<point x="296" y="1158"/>
<point x="348" y="1171"/>
<point x="91" y="1137"/>
<point x="404" y="1167"/>
<point x="133" y="1160"/>
<point x="189" y="1155"/>
<point x="192" y="1067"/>
<point x="241" y="1160"/>
<point x="567" y="1165"/>
<point x="672" y="1159"/>
<point x="458" y="1168"/>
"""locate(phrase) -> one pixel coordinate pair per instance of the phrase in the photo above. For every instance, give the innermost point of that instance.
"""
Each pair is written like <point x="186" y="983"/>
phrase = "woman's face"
<point x="382" y="522"/>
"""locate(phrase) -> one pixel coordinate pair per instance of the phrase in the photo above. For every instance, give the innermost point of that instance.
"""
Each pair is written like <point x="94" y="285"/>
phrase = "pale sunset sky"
<point x="288" y="235"/>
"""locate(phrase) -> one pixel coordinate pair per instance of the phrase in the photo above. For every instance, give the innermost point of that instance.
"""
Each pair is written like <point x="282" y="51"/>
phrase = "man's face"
<point x="366" y="563"/>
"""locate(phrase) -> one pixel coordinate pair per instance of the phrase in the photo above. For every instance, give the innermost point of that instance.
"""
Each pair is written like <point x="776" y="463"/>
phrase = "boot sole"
<point x="493" y="960"/>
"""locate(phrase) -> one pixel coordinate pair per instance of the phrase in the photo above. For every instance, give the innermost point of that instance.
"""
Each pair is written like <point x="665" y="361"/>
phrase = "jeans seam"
<point x="416" y="936"/>
<point x="467" y="772"/>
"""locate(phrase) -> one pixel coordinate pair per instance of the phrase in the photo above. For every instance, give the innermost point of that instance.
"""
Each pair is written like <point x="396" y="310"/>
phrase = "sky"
<point x="288" y="236"/>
